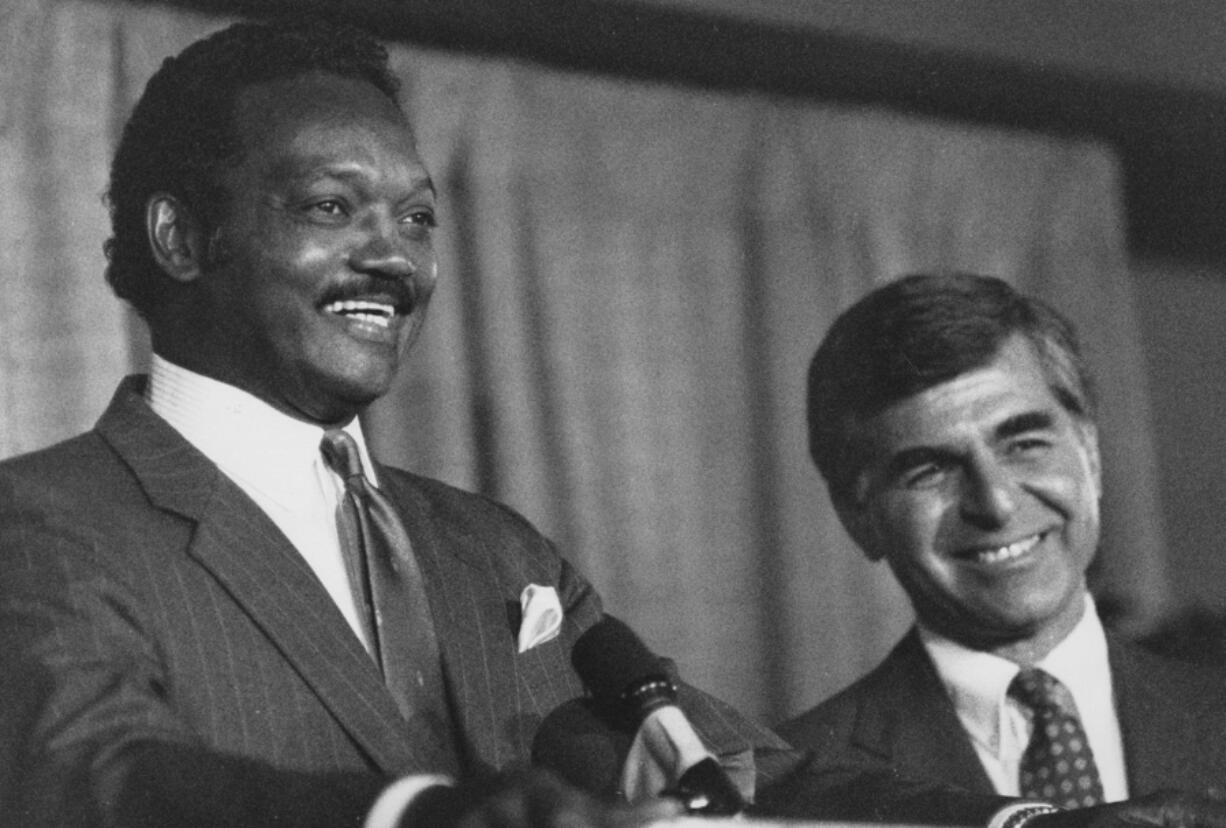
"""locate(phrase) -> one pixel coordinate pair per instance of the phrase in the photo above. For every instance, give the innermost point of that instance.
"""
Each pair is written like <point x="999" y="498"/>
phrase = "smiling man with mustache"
<point x="954" y="422"/>
<point x="215" y="610"/>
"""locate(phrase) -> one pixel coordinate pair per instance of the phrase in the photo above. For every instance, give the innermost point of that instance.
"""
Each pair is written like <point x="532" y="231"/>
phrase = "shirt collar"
<point x="977" y="682"/>
<point x="246" y="437"/>
<point x="1081" y="661"/>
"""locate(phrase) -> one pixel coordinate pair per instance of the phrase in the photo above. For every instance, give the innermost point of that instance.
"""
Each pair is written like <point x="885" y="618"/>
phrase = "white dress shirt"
<point x="272" y="457"/>
<point x="977" y="683"/>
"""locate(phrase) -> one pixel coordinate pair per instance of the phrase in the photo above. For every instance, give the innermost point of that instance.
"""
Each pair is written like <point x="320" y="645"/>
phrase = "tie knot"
<point x="340" y="452"/>
<point x="1040" y="690"/>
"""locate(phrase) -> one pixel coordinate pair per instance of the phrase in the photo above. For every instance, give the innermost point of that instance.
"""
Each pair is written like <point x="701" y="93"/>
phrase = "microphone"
<point x="632" y="683"/>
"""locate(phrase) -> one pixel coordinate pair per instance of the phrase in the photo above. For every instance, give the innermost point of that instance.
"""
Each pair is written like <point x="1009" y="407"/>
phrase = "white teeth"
<point x="374" y="313"/>
<point x="1004" y="553"/>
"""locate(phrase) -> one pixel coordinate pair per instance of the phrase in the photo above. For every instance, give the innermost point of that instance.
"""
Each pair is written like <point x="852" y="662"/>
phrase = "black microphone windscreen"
<point x="581" y="747"/>
<point x="628" y="680"/>
<point x="610" y="658"/>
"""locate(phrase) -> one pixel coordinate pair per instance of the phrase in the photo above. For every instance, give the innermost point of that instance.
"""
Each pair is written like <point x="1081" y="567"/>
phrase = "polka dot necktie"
<point x="1058" y="765"/>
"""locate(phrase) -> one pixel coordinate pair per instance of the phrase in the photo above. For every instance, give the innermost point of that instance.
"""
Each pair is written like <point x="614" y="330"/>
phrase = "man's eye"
<point x="421" y="218"/>
<point x="924" y="474"/>
<point x="328" y="207"/>
<point x="1028" y="445"/>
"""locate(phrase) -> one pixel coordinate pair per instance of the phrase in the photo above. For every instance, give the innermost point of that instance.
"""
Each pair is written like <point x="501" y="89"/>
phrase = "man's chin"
<point x="338" y="399"/>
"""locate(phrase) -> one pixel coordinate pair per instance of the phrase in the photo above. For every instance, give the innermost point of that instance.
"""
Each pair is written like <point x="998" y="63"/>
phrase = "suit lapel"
<point x="283" y="596"/>
<point x="910" y="721"/>
<point x="264" y="574"/>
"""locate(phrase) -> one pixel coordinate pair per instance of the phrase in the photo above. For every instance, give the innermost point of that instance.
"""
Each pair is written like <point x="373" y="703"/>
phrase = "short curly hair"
<point x="182" y="132"/>
<point x="917" y="332"/>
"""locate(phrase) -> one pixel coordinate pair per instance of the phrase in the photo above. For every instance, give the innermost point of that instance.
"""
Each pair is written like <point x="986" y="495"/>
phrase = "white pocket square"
<point x="542" y="616"/>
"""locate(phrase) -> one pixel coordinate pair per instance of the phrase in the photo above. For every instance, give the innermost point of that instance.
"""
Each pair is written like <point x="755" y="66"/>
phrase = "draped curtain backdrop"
<point x="633" y="278"/>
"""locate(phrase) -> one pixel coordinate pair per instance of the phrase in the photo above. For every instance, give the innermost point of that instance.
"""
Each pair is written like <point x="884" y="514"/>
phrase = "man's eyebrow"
<point x="1023" y="423"/>
<point x="428" y="184"/>
<point x="307" y="173"/>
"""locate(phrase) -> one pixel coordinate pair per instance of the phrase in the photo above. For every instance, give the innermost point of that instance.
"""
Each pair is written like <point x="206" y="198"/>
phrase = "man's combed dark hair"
<point x="182" y="131"/>
<point x="917" y="332"/>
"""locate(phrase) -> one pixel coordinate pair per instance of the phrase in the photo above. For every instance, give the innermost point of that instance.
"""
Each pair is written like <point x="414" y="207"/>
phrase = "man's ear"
<point x="175" y="237"/>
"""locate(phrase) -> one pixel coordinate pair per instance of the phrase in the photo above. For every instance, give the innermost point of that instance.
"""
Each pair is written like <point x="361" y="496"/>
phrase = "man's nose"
<point x="383" y="250"/>
<point x="989" y="494"/>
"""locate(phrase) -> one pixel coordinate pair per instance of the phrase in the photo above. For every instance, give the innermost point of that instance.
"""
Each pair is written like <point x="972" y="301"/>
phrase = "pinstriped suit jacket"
<point x="165" y="651"/>
<point x="1172" y="717"/>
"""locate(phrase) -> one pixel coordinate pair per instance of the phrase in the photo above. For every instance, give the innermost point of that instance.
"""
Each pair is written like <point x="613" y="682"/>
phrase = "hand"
<point x="532" y="798"/>
<point x="1164" y="809"/>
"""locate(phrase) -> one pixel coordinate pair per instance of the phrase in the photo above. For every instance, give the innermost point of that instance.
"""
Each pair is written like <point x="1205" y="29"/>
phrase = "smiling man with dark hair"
<point x="215" y="610"/>
<point x="953" y="419"/>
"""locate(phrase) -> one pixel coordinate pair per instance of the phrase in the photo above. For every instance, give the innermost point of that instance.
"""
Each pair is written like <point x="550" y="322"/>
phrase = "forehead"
<point x="294" y="120"/>
<point x="970" y="405"/>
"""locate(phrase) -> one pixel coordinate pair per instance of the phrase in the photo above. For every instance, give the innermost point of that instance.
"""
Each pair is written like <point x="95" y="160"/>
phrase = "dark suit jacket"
<point x="161" y="639"/>
<point x="1172" y="717"/>
<point x="167" y="657"/>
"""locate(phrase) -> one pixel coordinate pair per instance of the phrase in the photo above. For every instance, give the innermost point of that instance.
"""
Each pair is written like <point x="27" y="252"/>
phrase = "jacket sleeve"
<point x="88" y="736"/>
